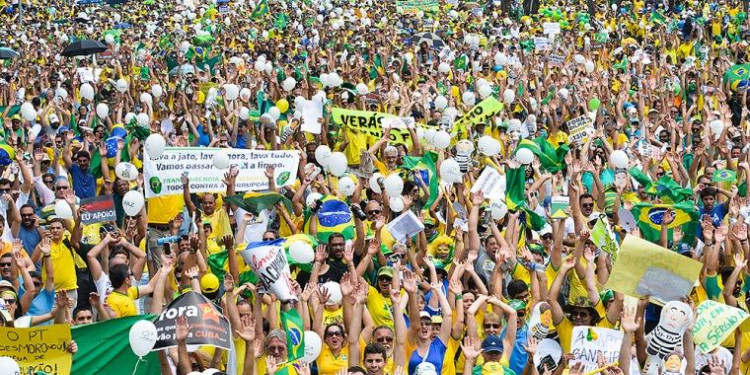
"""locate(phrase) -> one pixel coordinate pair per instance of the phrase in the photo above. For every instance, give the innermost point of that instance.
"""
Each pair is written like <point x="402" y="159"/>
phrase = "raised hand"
<point x="321" y="253"/>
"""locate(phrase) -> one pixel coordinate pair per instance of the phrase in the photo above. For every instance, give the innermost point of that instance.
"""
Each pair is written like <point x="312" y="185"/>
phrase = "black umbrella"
<point x="432" y="40"/>
<point x="7" y="53"/>
<point x="84" y="47"/>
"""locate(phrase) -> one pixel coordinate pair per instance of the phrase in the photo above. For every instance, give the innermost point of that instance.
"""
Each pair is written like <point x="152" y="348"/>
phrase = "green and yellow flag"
<point x="650" y="216"/>
<point x="260" y="10"/>
<point x="295" y="333"/>
<point x="256" y="202"/>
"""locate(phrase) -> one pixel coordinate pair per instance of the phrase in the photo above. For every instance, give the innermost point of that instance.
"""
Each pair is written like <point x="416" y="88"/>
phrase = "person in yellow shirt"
<point x="334" y="355"/>
<point x="58" y="247"/>
<point x="122" y="298"/>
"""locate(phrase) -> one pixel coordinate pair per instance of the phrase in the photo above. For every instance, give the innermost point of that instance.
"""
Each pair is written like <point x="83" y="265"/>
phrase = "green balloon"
<point x="594" y="104"/>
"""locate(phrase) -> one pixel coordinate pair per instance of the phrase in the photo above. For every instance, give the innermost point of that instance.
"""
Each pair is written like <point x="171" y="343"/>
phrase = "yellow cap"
<point x="209" y="283"/>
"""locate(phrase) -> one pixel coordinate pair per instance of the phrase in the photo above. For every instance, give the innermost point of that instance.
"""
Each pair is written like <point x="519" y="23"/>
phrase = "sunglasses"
<point x="276" y="349"/>
<point x="384" y="339"/>
<point x="334" y="333"/>
<point x="3" y="191"/>
<point x="9" y="301"/>
<point x="62" y="187"/>
<point x="587" y="205"/>
<point x="269" y="239"/>
<point x="385" y="278"/>
<point x="582" y="313"/>
<point x="547" y="237"/>
<point x="373" y="212"/>
<point x="4" y="265"/>
<point x="491" y="325"/>
<point x="48" y="181"/>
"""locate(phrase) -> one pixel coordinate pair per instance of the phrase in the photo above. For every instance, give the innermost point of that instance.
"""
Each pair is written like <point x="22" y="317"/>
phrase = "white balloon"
<point x="563" y="93"/>
<point x="289" y="84"/>
<point x="589" y="66"/>
<point x="313" y="344"/>
<point x="301" y="252"/>
<point x="132" y="202"/>
<point x="244" y="113"/>
<point x="488" y="146"/>
<point x="62" y="209"/>
<point x="142" y="335"/>
<point x="524" y="156"/>
<point x="485" y="91"/>
<point x="126" y="171"/>
<point x="87" y="92"/>
<point x="245" y="94"/>
<point x="442" y="140"/>
<point x="323" y="155"/>
<point x="28" y="112"/>
<point x="155" y="145"/>
<point x="311" y="198"/>
<point x="157" y="91"/>
<point x="275" y="112"/>
<point x="441" y="102"/>
<point x="578" y="58"/>
<point x="334" y="291"/>
<point x="468" y="98"/>
<point x="374" y="185"/>
<point x="232" y="91"/>
<point x="429" y="135"/>
<point x="619" y="159"/>
<point x="509" y="96"/>
<point x="143" y="119"/>
<point x="337" y="164"/>
<point x="362" y="89"/>
<point x="450" y="171"/>
<point x="346" y="186"/>
<point x="396" y="204"/>
<point x="9" y="366"/>
<point x="61" y="93"/>
<point x="102" y="110"/>
<point x="501" y="59"/>
<point x="220" y="160"/>
<point x="394" y="185"/>
<point x="129" y="117"/>
<point x="444" y="67"/>
<point x="121" y="85"/>
<point x="109" y="38"/>
<point x="147" y="99"/>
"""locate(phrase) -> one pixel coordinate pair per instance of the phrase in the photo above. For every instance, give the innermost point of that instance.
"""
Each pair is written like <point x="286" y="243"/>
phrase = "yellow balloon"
<point x="454" y="91"/>
<point x="282" y="105"/>
<point x="200" y="97"/>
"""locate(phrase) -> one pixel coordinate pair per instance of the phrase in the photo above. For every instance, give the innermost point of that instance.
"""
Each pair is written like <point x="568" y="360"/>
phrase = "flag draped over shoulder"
<point x="256" y="202"/>
<point x="550" y="157"/>
<point x="425" y="167"/>
<point x="666" y="188"/>
<point x="104" y="348"/>
<point x="650" y="216"/>
<point x="515" y="199"/>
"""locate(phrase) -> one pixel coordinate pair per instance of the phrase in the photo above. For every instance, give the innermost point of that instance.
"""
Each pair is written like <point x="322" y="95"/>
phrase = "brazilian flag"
<point x="515" y="199"/>
<point x="650" y="217"/>
<point x="218" y="263"/>
<point x="260" y="10"/>
<point x="425" y="166"/>
<point x="738" y="77"/>
<point x="725" y="175"/>
<point x="295" y="337"/>
<point x="667" y="189"/>
<point x="550" y="157"/>
<point x="334" y="216"/>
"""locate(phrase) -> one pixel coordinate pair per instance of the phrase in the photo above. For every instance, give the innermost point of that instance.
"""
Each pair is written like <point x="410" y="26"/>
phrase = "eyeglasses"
<point x="384" y="339"/>
<point x="276" y="349"/>
<point x="62" y="187"/>
<point x="491" y="325"/>
<point x="334" y="333"/>
<point x="4" y="265"/>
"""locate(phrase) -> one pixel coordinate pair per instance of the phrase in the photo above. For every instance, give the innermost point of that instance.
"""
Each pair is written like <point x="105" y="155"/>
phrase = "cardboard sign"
<point x="715" y="322"/>
<point x="551" y="28"/>
<point x="579" y="130"/>
<point x="588" y="342"/>
<point x="207" y="325"/>
<point x="405" y="226"/>
<point x="98" y="209"/>
<point x="541" y="44"/>
<point x="556" y="60"/>
<point x="647" y="269"/>
<point x="604" y="238"/>
<point x="41" y="348"/>
<point x="489" y="183"/>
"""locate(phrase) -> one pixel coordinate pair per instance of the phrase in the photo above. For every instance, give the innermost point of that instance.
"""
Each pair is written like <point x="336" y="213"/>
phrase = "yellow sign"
<point x="647" y="269"/>
<point x="370" y="123"/>
<point x="485" y="110"/>
<point x="715" y="322"/>
<point x="43" y="348"/>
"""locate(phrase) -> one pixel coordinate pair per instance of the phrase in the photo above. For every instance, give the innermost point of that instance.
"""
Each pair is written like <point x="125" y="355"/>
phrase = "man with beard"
<point x="28" y="231"/>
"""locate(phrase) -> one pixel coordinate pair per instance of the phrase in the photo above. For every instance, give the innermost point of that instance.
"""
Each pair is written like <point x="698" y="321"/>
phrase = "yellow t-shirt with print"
<point x="260" y="367"/>
<point x="380" y="308"/>
<point x="220" y="225"/>
<point x="123" y="304"/>
<point x="330" y="364"/>
<point x="333" y="316"/>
